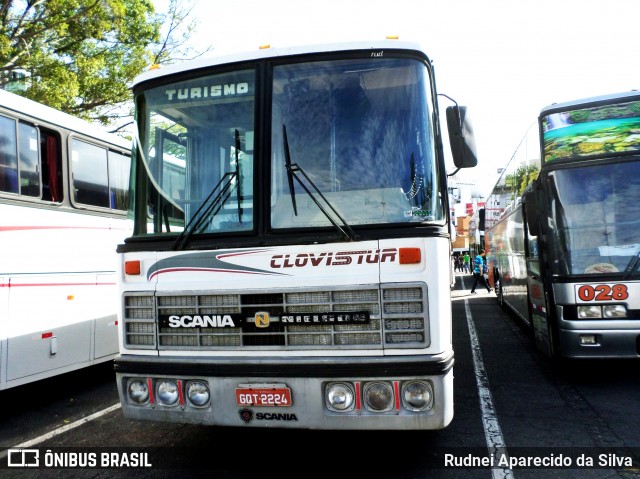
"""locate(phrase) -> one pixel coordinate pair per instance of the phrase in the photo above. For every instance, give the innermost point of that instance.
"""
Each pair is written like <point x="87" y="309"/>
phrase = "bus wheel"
<point x="554" y="344"/>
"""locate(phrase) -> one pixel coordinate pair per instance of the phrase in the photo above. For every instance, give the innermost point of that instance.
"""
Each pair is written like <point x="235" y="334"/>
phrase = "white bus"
<point x="63" y="206"/>
<point x="290" y="260"/>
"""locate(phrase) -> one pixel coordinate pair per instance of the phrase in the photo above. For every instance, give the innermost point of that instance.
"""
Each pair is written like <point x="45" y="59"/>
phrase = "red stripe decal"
<point x="358" y="400"/>
<point x="150" y="386"/>
<point x="47" y="335"/>
<point x="179" y="382"/>
<point x="23" y="285"/>
<point x="396" y="393"/>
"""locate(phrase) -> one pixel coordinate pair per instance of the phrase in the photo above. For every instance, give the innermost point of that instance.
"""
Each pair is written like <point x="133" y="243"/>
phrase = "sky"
<point x="503" y="59"/>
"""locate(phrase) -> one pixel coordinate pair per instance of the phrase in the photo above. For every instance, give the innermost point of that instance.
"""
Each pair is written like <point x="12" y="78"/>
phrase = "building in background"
<point x="465" y="200"/>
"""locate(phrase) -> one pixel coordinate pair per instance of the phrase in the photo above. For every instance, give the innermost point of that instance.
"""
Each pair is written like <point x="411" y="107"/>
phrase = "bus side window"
<point x="29" y="158"/>
<point x="90" y="174"/>
<point x="118" y="180"/>
<point x="8" y="156"/>
<point x="51" y="166"/>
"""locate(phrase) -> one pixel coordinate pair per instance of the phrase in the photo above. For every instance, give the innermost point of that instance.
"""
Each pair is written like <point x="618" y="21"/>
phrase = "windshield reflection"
<point x="362" y="134"/>
<point x="361" y="129"/>
<point x="597" y="218"/>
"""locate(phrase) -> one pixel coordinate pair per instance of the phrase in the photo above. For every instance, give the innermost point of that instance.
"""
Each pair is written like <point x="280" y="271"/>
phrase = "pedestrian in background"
<point x="478" y="272"/>
<point x="466" y="262"/>
<point x="457" y="263"/>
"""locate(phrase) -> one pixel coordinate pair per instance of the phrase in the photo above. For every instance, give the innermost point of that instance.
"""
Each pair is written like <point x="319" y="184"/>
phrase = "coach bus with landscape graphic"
<point x="63" y="205"/>
<point x="290" y="260"/>
<point x="563" y="229"/>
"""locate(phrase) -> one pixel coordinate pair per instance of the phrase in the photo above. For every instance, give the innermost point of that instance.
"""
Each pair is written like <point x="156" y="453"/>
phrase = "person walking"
<point x="478" y="272"/>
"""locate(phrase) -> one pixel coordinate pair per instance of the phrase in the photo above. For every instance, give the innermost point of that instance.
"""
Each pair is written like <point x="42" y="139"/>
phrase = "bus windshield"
<point x="362" y="135"/>
<point x="360" y="132"/>
<point x="596" y="211"/>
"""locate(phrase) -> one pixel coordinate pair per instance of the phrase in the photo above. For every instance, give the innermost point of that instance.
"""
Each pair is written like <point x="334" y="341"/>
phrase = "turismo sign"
<point x="206" y="91"/>
<point x="217" y="87"/>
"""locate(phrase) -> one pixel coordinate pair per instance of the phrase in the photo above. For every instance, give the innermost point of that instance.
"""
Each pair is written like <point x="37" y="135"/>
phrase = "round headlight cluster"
<point x="198" y="393"/>
<point x="417" y="395"/>
<point x="378" y="396"/>
<point x="167" y="392"/>
<point x="339" y="397"/>
<point x="138" y="391"/>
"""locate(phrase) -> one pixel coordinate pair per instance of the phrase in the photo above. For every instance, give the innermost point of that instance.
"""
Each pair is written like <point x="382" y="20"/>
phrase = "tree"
<point x="80" y="56"/>
<point x="177" y="27"/>
<point x="518" y="181"/>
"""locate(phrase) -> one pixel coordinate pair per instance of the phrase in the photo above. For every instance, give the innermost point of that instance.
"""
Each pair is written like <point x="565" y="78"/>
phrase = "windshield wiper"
<point x="209" y="207"/>
<point x="239" y="191"/>
<point x="292" y="170"/>
<point x="212" y="205"/>
<point x="287" y="163"/>
<point x="632" y="266"/>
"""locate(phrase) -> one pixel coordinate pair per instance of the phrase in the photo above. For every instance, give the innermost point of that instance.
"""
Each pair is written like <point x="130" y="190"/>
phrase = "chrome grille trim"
<point x="398" y="319"/>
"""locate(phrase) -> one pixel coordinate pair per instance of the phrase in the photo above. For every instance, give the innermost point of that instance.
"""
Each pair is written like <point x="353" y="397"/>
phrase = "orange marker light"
<point x="410" y="255"/>
<point x="132" y="267"/>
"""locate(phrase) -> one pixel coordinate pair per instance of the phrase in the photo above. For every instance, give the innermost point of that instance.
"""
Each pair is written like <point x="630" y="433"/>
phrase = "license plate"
<point x="263" y="395"/>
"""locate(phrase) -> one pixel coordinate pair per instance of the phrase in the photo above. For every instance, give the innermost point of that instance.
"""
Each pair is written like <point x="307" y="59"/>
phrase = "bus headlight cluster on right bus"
<point x="607" y="311"/>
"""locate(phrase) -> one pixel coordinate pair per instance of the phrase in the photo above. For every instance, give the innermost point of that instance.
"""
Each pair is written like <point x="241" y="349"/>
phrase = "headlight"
<point x="378" y="396"/>
<point x="138" y="391"/>
<point x="339" y="397"/>
<point x="167" y="392"/>
<point x="198" y="393"/>
<point x="417" y="395"/>
<point x="614" y="311"/>
<point x="589" y="312"/>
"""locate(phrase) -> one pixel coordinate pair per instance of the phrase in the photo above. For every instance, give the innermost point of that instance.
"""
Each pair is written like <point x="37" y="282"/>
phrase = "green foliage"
<point x="518" y="181"/>
<point x="80" y="55"/>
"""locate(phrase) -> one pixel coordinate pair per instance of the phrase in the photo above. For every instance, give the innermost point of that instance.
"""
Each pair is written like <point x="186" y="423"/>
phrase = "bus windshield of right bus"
<point x="596" y="211"/>
<point x="595" y="206"/>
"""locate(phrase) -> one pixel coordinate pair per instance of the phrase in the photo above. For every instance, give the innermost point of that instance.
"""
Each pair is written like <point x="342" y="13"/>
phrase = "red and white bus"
<point x="63" y="205"/>
<point x="290" y="260"/>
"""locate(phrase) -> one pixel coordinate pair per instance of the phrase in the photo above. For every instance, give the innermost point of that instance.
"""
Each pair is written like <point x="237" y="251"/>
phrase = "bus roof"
<point x="39" y="113"/>
<point x="585" y="102"/>
<point x="269" y="52"/>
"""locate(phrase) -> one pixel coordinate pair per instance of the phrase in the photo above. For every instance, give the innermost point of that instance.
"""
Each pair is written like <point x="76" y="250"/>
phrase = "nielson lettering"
<point x="215" y="321"/>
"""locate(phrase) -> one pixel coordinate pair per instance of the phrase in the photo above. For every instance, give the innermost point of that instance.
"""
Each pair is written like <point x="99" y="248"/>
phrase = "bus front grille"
<point x="397" y="318"/>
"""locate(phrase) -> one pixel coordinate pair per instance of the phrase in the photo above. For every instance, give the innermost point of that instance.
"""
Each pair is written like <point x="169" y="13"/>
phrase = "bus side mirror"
<point x="463" y="144"/>
<point x="531" y="209"/>
<point x="481" y="219"/>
